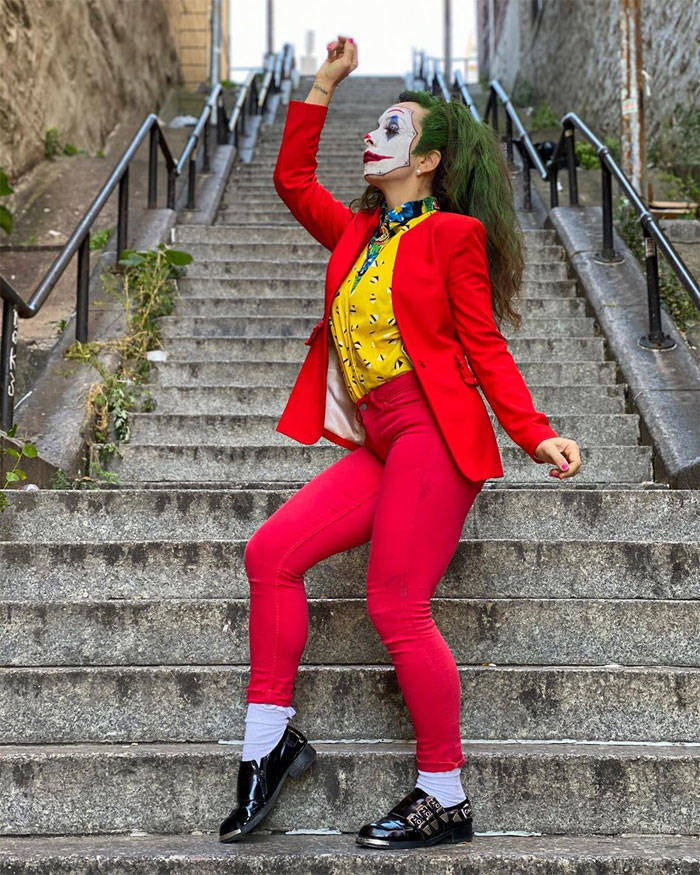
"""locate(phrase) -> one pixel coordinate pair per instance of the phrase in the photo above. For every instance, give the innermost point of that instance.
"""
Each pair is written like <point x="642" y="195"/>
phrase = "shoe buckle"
<point x="423" y="818"/>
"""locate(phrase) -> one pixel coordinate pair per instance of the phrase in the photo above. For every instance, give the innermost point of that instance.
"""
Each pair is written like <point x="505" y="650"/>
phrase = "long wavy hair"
<point x="472" y="178"/>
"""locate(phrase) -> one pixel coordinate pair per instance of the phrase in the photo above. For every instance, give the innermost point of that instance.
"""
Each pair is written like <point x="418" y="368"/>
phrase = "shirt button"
<point x="363" y="407"/>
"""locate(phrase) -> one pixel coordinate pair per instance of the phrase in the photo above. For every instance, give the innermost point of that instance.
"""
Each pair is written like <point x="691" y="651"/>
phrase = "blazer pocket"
<point x="314" y="331"/>
<point x="465" y="371"/>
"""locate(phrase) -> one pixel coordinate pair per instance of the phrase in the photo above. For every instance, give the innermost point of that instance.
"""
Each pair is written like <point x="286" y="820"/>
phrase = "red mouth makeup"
<point x="371" y="156"/>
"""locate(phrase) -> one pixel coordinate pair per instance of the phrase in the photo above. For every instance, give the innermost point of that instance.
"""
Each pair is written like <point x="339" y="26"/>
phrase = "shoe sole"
<point x="455" y="836"/>
<point x="301" y="762"/>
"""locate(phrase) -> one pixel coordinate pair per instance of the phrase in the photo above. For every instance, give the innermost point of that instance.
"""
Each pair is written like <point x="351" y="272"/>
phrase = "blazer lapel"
<point x="413" y="270"/>
<point x="355" y="238"/>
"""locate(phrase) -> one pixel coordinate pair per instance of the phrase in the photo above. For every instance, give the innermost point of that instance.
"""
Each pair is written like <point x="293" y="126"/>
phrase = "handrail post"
<point x="509" y="139"/>
<point x="8" y="347"/>
<point x="253" y="100"/>
<point x="243" y="117"/>
<point x="221" y="120"/>
<point x="553" y="174"/>
<point x="153" y="168"/>
<point x="205" y="147"/>
<point x="122" y="214"/>
<point x="527" y="191"/>
<point x="191" y="171"/>
<point x="171" y="188"/>
<point x="608" y="252"/>
<point x="82" y="290"/>
<point x="657" y="338"/>
<point x="494" y="110"/>
<point x="571" y="166"/>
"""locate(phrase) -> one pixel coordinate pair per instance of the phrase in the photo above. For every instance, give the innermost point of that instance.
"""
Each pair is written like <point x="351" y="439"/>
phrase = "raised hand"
<point x="341" y="60"/>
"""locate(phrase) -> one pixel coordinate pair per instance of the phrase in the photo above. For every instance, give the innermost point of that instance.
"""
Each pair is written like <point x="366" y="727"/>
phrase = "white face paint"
<point x="391" y="142"/>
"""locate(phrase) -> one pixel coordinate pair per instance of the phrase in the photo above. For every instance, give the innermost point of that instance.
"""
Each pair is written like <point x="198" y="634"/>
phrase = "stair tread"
<point x="288" y="849"/>
<point x="525" y="748"/>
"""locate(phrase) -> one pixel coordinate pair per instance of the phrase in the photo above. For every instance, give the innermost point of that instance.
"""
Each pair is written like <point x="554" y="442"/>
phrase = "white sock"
<point x="264" y="726"/>
<point x="446" y="787"/>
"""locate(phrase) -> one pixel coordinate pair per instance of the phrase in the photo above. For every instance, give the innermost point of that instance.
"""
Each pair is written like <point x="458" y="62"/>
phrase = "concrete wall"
<point x="190" y="24"/>
<point x="72" y="64"/>
<point x="569" y="50"/>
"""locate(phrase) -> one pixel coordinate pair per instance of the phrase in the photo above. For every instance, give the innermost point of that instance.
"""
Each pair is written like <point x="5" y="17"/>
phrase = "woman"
<point x="387" y="379"/>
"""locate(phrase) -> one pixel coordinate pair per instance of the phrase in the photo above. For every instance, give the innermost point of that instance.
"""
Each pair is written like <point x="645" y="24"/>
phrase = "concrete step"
<point x="264" y="349"/>
<point x="220" y="464"/>
<point x="179" y="788"/>
<point x="329" y="149"/>
<point x="339" y="855"/>
<point x="175" y="703"/>
<point x="187" y="631"/>
<point x="307" y="269"/>
<point x="228" y="286"/>
<point x="308" y="250"/>
<point x="310" y="307"/>
<point x="481" y="568"/>
<point x="556" y="511"/>
<point x="174" y="372"/>
<point x="191" y="234"/>
<point x="328" y="146"/>
<point x="300" y="326"/>
<point x="610" y="429"/>
<point x="204" y="399"/>
<point x="281" y="219"/>
<point x="263" y="188"/>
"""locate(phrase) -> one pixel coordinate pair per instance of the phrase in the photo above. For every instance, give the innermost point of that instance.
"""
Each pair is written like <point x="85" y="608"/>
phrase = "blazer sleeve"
<point x="469" y="293"/>
<point x="323" y="216"/>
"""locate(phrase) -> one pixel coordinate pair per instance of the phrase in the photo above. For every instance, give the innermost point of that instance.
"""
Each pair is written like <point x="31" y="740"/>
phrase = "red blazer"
<point x="441" y="296"/>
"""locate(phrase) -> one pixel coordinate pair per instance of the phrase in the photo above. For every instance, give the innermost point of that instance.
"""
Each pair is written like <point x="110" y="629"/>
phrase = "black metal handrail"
<point x="461" y="88"/>
<point x="653" y="235"/>
<point x="529" y="155"/>
<point x="565" y="155"/>
<point x="15" y="307"/>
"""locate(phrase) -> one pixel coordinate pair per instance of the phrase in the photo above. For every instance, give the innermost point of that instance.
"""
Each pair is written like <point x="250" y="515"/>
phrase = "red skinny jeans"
<point x="403" y="492"/>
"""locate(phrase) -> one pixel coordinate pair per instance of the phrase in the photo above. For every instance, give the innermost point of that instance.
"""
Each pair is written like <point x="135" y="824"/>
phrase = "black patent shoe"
<point x="418" y="820"/>
<point x="258" y="786"/>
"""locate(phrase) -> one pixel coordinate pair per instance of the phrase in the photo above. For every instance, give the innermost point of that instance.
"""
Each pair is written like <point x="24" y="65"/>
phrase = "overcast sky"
<point x="384" y="31"/>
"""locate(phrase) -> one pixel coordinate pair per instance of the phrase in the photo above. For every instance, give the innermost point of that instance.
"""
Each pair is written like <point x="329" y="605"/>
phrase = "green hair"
<point x="472" y="178"/>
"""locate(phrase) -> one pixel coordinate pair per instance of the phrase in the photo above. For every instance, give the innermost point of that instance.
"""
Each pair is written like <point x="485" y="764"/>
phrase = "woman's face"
<point x="388" y="147"/>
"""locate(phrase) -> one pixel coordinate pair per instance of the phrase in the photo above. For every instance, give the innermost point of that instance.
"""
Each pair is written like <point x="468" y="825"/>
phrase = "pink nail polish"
<point x="564" y="466"/>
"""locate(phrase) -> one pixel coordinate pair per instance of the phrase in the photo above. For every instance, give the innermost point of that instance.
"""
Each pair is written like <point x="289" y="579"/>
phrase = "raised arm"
<point x="469" y="292"/>
<point x="323" y="216"/>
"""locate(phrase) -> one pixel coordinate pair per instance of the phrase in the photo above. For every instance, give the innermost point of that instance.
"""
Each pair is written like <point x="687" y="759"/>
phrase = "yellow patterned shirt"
<point x="362" y="320"/>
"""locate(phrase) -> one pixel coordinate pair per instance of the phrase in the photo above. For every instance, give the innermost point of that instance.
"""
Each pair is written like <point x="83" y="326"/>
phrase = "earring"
<point x="417" y="171"/>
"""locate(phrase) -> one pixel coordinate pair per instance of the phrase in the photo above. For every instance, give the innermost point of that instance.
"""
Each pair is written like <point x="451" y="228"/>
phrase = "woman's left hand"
<point x="562" y="452"/>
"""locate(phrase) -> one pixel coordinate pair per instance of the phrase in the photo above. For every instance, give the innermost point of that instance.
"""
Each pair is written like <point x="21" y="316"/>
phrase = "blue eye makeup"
<point x="392" y="126"/>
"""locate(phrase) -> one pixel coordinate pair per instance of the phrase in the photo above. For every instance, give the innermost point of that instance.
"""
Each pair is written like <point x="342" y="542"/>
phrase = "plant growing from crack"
<point x="5" y="214"/>
<point x="146" y="289"/>
<point x="15" y="474"/>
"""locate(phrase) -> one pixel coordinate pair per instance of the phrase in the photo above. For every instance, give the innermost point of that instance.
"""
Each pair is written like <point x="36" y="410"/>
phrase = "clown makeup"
<point x="390" y="142"/>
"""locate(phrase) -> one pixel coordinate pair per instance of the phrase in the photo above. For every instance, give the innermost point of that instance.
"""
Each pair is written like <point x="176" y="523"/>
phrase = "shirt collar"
<point x="408" y="210"/>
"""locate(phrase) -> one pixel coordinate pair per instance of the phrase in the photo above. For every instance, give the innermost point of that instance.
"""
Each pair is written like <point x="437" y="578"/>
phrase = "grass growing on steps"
<point x="146" y="289"/>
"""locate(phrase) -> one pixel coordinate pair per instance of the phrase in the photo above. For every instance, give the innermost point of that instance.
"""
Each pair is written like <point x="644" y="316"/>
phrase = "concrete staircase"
<point x="571" y="607"/>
